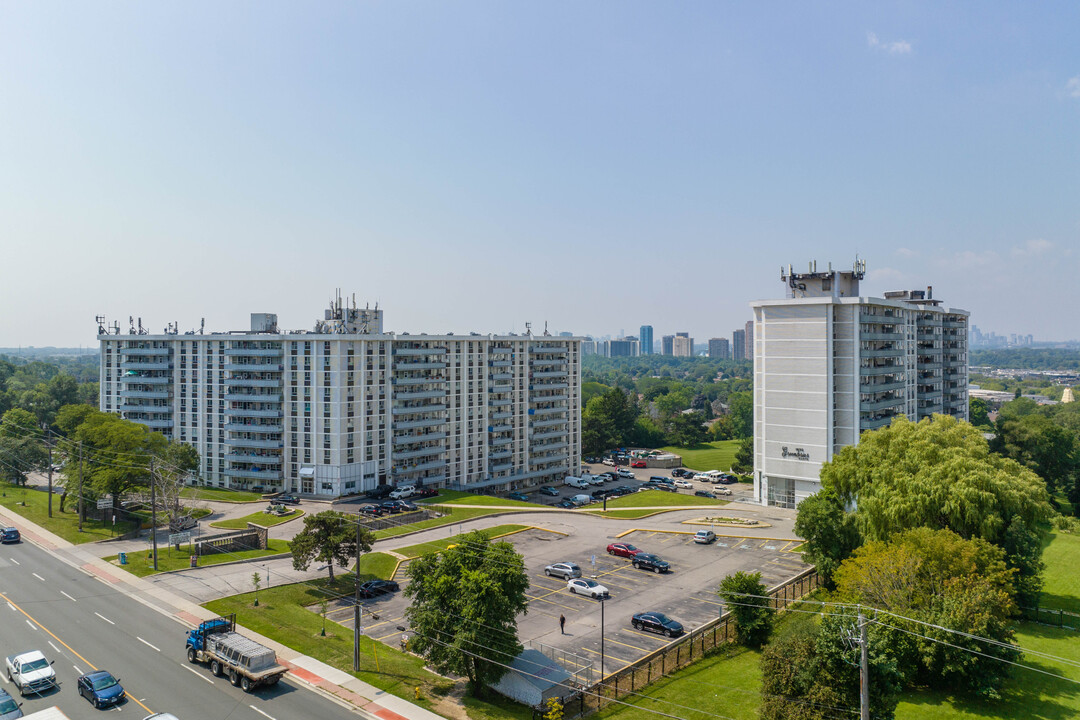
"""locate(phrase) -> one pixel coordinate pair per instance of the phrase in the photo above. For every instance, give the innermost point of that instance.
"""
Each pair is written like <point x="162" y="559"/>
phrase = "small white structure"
<point x="52" y="713"/>
<point x="533" y="679"/>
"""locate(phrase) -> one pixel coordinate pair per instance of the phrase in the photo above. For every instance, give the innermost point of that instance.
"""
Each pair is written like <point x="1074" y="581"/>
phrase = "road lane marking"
<point x="11" y="606"/>
<point x="38" y="577"/>
<point x="104" y="618"/>
<point x="32" y="627"/>
<point x="261" y="712"/>
<point x="78" y="669"/>
<point x="57" y="639"/>
<point x="146" y="643"/>
<point x="55" y="648"/>
<point x="197" y="674"/>
<point x="16" y="561"/>
<point x="68" y="596"/>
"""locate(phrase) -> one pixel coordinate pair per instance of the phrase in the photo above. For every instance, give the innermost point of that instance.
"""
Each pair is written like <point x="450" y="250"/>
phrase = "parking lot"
<point x="686" y="594"/>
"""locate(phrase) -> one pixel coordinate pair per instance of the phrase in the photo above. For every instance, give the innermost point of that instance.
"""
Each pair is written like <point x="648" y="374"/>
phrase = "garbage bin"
<point x="123" y="558"/>
<point x="194" y="561"/>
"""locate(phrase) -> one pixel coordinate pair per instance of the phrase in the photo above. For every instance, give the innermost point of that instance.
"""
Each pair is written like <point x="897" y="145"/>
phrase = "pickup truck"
<point x="246" y="663"/>
<point x="31" y="672"/>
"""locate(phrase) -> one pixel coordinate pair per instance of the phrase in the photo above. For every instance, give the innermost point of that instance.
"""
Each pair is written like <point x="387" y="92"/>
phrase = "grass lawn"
<point x="413" y="551"/>
<point x="454" y="497"/>
<point x="259" y="518"/>
<point x="625" y="514"/>
<point x="281" y="615"/>
<point x="717" y="455"/>
<point x="660" y="498"/>
<point x="378" y="565"/>
<point x="172" y="559"/>
<point x="1061" y="588"/>
<point x="220" y="495"/>
<point x="453" y="515"/>
<point x="65" y="524"/>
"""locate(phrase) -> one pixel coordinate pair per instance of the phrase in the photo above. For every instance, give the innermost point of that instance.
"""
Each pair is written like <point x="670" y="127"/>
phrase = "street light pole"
<point x="601" y="640"/>
<point x="50" y="468"/>
<point x="153" y="514"/>
<point x="356" y="602"/>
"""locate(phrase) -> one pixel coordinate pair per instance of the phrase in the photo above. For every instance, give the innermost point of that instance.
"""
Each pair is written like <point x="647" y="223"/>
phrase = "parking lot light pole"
<point x="601" y="640"/>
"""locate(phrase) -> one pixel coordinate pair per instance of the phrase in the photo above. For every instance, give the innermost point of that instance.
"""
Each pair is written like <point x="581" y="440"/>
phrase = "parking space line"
<point x="711" y="602"/>
<point x="384" y="637"/>
<point x="552" y="602"/>
<point x="608" y="657"/>
<point x="640" y="633"/>
<point x="635" y="647"/>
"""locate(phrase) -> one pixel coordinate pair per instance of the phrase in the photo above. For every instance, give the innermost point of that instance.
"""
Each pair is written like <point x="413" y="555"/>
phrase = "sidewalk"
<point x="368" y="699"/>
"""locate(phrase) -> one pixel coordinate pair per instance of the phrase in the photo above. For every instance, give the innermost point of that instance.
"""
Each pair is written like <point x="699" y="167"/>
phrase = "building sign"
<point x="797" y="453"/>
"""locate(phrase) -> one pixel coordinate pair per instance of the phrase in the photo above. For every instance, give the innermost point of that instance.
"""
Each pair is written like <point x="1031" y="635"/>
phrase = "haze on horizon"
<point x="476" y="166"/>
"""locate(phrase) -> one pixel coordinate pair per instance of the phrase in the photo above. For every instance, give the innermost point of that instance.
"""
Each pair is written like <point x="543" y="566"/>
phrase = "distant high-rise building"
<point x="682" y="345"/>
<point x="719" y="348"/>
<point x="623" y="347"/>
<point x="666" y="344"/>
<point x="682" y="334"/>
<point x="566" y="334"/>
<point x="749" y="340"/>
<point x="738" y="344"/>
<point x="835" y="364"/>
<point x="645" y="337"/>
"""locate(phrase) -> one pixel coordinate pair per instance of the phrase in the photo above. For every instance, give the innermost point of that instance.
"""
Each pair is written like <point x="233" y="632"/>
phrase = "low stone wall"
<point x="254" y="538"/>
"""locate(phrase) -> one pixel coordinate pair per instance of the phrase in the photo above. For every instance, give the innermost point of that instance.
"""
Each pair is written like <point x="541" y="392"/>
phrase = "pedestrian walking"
<point x="562" y="624"/>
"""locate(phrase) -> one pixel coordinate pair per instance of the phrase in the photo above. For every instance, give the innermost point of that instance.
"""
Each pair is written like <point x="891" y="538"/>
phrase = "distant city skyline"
<point x="474" y="168"/>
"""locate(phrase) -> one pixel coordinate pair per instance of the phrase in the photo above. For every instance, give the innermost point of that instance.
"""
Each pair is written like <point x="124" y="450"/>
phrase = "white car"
<point x="403" y="492"/>
<point x="30" y="672"/>
<point x="608" y="461"/>
<point x="721" y="491"/>
<point x="593" y="479"/>
<point x="680" y="483"/>
<point x="585" y="586"/>
<point x="703" y="477"/>
<point x="625" y="474"/>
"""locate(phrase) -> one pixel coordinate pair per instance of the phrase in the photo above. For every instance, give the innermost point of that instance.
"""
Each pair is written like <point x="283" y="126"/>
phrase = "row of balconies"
<point x="417" y="408"/>
<point x="501" y="415"/>
<point x="411" y="366"/>
<point x="547" y="362"/>
<point x="163" y="364"/>
<point x="419" y="438"/>
<point x="252" y="382"/>
<point x="254" y="427"/>
<point x="881" y="319"/>
<point x="423" y="380"/>
<point x="882" y="386"/>
<point x="145" y="350"/>
<point x="242" y="351"/>
<point x="146" y="379"/>
<point x="420" y="394"/>
<point x="255" y="367"/>
<point x="424" y="423"/>
<point x="419" y="452"/>
<point x="882" y="404"/>
<point x="236" y="396"/>
<point x="549" y="386"/>
<point x="252" y="473"/>
<point x="549" y="374"/>
<point x="253" y="443"/>
<point x="147" y="394"/>
<point x="418" y="351"/>
<point x="147" y="408"/>
<point x="548" y="350"/>
<point x="881" y="352"/>
<point x="886" y="336"/>
<point x="249" y="412"/>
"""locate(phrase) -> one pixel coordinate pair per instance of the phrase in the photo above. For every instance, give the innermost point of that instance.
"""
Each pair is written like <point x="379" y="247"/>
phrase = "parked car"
<point x="101" y="688"/>
<point x="721" y="491"/>
<point x="373" y="510"/>
<point x="402" y="492"/>
<point x="425" y="492"/>
<point x="392" y="507"/>
<point x="378" y="587"/>
<point x="575" y="482"/>
<point x="625" y="474"/>
<point x="625" y="550"/>
<point x="608" y="461"/>
<point x="401" y="505"/>
<point x="566" y="504"/>
<point x="579" y="500"/>
<point x="564" y="570"/>
<point x="705" y="494"/>
<point x="594" y="479"/>
<point x="656" y="622"/>
<point x="648" y="561"/>
<point x="704" y="537"/>
<point x="602" y="493"/>
<point x="380" y="492"/>
<point x="677" y="472"/>
<point x="609" y="475"/>
<point x="667" y="487"/>
<point x="10" y="535"/>
<point x="638" y="464"/>
<point x="585" y="586"/>
<point x="287" y="499"/>
<point x="9" y="709"/>
<point x="518" y="496"/>
<point x="550" y="491"/>
<point x="592" y="459"/>
<point x="680" y="483"/>
<point x="727" y="478"/>
<point x="622" y="490"/>
<point x="661" y="479"/>
<point x="155" y="716"/>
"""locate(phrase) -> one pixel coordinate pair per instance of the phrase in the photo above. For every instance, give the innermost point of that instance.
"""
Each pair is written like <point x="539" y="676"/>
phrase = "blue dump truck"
<point x="246" y="663"/>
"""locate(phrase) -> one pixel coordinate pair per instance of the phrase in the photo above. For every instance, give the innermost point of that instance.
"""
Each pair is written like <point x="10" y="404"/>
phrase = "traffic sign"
<point x="177" y="538"/>
<point x="104" y="503"/>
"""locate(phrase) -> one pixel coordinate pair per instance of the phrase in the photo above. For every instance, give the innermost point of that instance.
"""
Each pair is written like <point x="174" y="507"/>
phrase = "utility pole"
<point x="81" y="511"/>
<point x="49" y="445"/>
<point x="356" y="603"/>
<point x="602" y="641"/>
<point x="864" y="669"/>
<point x="153" y="514"/>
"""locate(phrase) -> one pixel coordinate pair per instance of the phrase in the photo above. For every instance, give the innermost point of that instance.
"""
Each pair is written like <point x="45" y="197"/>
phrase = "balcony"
<point x="881" y="370"/>
<point x="252" y="352"/>
<point x="954" y="363"/>
<point x="548" y="349"/>
<point x="551" y="434"/>
<point x="874" y="423"/>
<point x="549" y="386"/>
<point x="252" y="382"/>
<point x="546" y="411"/>
<point x="420" y="395"/>
<point x="548" y="398"/>
<point x="881" y="404"/>
<point x="955" y="324"/>
<point x="147" y="394"/>
<point x="501" y="388"/>
<point x="930" y="409"/>
<point x="413" y="424"/>
<point x="503" y="415"/>
<point x="248" y="443"/>
<point x="500" y="402"/>
<point x="417" y="352"/>
<point x="153" y="423"/>
<point x="410" y="366"/>
<point x="881" y="319"/>
<point x="500" y="441"/>
<point x="880" y="336"/>
<point x="931" y="365"/>
<point x="412" y="382"/>
<point x="547" y="362"/>
<point x="882" y="387"/>
<point x="420" y="467"/>
<point x="500" y="454"/>
<point x="261" y="474"/>
<point x="254" y="459"/>
<point x="245" y="412"/>
<point x="501" y="376"/>
<point x="499" y="363"/>
<point x="499" y="350"/>
<point x="145" y="351"/>
<point x="882" y="353"/>
<point x="145" y="380"/>
<point x="500" y="467"/>
<point x="419" y="438"/>
<point x="416" y="409"/>
<point x="548" y="448"/>
<point x="422" y="452"/>
<point x="154" y="409"/>
<point x="954" y="403"/>
<point x="164" y="364"/>
<point x="253" y="428"/>
<point x="253" y="397"/>
<point x="500" y="428"/>
<point x="550" y="374"/>
<point x="254" y="367"/>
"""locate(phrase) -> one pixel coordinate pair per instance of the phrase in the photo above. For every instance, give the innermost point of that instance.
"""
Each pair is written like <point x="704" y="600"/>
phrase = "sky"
<point x="474" y="166"/>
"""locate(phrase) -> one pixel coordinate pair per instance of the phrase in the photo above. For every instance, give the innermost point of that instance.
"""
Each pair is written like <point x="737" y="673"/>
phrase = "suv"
<point x="402" y="492"/>
<point x="564" y="570"/>
<point x="638" y="464"/>
<point x="10" y="535"/>
<point x="648" y="561"/>
<point x="704" y="537"/>
<point x="380" y="492"/>
<point x="373" y="510"/>
<point x="549" y="491"/>
<point x="677" y="472"/>
<point x="425" y="492"/>
<point x="608" y="461"/>
<point x="518" y="496"/>
<point x="625" y="474"/>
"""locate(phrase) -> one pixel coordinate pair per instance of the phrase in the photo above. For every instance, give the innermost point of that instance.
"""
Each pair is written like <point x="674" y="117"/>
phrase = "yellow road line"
<point x="53" y="635"/>
<point x="552" y="602"/>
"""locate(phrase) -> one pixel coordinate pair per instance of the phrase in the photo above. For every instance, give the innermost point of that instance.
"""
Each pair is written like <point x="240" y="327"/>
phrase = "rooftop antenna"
<point x="116" y="327"/>
<point x="131" y="324"/>
<point x="202" y="325"/>
<point x="546" y="333"/>
<point x="100" y="320"/>
<point x="528" y="328"/>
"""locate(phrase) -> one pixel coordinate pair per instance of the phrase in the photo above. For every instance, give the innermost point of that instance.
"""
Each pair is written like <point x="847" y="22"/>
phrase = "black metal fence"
<point x="1050" y="616"/>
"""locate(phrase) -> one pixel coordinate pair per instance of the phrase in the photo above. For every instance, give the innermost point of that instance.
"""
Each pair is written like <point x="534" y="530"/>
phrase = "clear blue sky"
<point x="473" y="166"/>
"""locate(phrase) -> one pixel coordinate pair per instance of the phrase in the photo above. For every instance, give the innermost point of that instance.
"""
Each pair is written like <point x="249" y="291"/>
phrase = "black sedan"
<point x="286" y="499"/>
<point x="100" y="688"/>
<point x="373" y="510"/>
<point x="705" y="494"/>
<point x="657" y="622"/>
<point x="648" y="561"/>
<point x="378" y="587"/>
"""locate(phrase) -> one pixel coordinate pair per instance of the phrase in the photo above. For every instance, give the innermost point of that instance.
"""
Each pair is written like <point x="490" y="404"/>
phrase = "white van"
<point x="580" y="500"/>
<point x="576" y="482"/>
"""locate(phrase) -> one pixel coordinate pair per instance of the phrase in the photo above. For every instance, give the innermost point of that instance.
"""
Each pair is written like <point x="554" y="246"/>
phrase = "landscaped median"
<point x="169" y="558"/>
<point x="448" y="502"/>
<point x="264" y="519"/>
<point x="220" y="495"/>
<point x="632" y="507"/>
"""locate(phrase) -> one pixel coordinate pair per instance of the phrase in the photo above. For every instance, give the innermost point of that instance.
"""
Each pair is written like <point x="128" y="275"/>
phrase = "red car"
<point x="625" y="550"/>
<point x="638" y="464"/>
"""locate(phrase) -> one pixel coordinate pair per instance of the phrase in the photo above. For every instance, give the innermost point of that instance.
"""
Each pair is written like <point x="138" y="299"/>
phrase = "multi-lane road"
<point x="81" y="624"/>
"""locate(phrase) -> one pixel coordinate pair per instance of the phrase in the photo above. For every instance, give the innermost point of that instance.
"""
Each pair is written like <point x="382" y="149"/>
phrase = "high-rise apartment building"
<point x="645" y="336"/>
<point x="345" y="407"/>
<point x="829" y="364"/>
<point x="719" y="348"/>
<point x="748" y="339"/>
<point x="624" y="347"/>
<point x="667" y="344"/>
<point x="682" y="345"/>
<point x="738" y="345"/>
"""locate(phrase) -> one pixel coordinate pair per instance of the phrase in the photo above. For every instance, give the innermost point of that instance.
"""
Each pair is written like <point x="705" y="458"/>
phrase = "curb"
<point x="201" y="567"/>
<point x="283" y="522"/>
<point x="687" y="532"/>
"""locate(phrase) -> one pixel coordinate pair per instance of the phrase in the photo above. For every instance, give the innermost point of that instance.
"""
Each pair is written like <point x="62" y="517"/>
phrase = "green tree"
<point x="329" y="537"/>
<point x="687" y="429"/>
<point x="1037" y="442"/>
<point x="722" y="428"/>
<point x="744" y="457"/>
<point x="978" y="412"/>
<point x="741" y="409"/>
<point x="465" y="602"/>
<point x="749" y="606"/>
<point x="117" y="455"/>
<point x="939" y="473"/>
<point x="22" y="449"/>
<point x="831" y="534"/>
